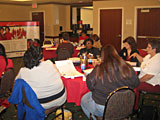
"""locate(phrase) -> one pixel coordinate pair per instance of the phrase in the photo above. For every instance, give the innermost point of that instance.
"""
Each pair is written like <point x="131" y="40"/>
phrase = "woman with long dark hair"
<point x="5" y="62"/>
<point x="113" y="72"/>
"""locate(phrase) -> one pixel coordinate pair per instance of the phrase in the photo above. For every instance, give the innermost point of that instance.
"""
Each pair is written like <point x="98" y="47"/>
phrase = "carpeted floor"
<point x="77" y="113"/>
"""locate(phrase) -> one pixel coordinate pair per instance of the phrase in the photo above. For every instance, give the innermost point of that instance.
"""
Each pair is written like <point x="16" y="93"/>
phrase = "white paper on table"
<point x="80" y="47"/>
<point x="131" y="63"/>
<point x="47" y="46"/>
<point x="67" y="69"/>
<point x="51" y="48"/>
<point x="75" y="59"/>
<point x="137" y="68"/>
<point x="84" y="78"/>
<point x="88" y="71"/>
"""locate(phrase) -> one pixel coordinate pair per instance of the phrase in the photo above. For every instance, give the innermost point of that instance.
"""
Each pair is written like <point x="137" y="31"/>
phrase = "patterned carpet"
<point x="77" y="113"/>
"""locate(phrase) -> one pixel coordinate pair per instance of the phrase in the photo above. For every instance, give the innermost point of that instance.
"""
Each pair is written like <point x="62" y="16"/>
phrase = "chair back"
<point x="7" y="81"/>
<point x="63" y="54"/>
<point x="47" y="42"/>
<point x="119" y="104"/>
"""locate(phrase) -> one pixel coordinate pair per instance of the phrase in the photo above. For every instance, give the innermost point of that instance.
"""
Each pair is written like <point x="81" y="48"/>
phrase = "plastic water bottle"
<point x="90" y="58"/>
<point x="84" y="61"/>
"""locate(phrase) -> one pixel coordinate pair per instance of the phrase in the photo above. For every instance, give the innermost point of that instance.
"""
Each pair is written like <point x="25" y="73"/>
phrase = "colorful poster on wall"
<point x="14" y="36"/>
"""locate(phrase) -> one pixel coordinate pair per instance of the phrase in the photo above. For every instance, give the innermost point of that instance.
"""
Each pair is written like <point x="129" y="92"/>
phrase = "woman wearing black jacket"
<point x="129" y="49"/>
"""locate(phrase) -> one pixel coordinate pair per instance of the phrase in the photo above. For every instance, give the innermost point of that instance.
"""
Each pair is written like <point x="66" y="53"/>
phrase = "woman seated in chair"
<point x="97" y="43"/>
<point x="83" y="37"/>
<point x="43" y="78"/>
<point x="150" y="71"/>
<point x="89" y="49"/>
<point x="66" y="44"/>
<point x="5" y="63"/>
<point x="113" y="72"/>
<point x="129" y="49"/>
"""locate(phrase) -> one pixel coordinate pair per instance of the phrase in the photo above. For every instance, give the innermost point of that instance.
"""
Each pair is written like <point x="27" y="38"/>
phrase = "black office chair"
<point x="63" y="54"/>
<point x="119" y="104"/>
<point x="6" y="82"/>
<point x="54" y="109"/>
<point x="149" y="105"/>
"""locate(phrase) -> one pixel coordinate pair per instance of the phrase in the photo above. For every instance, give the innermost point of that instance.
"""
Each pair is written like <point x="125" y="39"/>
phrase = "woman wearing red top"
<point x="2" y="36"/>
<point x="5" y="63"/>
<point x="83" y="37"/>
<point x="8" y="35"/>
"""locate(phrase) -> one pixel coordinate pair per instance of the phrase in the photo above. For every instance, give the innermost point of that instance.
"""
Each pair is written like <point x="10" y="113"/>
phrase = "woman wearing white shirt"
<point x="43" y="77"/>
<point x="150" y="70"/>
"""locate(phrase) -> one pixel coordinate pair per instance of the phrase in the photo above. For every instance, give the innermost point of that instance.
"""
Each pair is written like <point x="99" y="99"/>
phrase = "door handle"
<point x="119" y="35"/>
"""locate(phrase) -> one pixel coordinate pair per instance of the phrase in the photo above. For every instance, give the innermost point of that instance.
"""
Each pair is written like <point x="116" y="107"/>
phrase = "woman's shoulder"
<point x="9" y="60"/>
<point x="158" y="55"/>
<point x="123" y="50"/>
<point x="47" y="62"/>
<point x="10" y="63"/>
<point x="94" y="48"/>
<point x="83" y="49"/>
<point x="156" y="58"/>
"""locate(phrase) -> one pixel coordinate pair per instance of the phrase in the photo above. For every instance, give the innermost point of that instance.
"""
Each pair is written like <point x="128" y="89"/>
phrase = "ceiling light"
<point x="21" y="0"/>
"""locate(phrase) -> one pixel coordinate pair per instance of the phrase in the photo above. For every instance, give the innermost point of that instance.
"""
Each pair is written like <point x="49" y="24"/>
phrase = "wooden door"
<point x="39" y="16"/>
<point x="110" y="27"/>
<point x="148" y="25"/>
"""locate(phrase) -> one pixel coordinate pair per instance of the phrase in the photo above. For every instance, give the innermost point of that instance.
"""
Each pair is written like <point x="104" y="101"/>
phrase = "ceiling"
<point x="64" y="2"/>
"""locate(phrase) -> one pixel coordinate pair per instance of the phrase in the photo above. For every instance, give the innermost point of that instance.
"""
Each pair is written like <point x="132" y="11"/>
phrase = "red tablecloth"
<point x="52" y="53"/>
<point x="76" y="88"/>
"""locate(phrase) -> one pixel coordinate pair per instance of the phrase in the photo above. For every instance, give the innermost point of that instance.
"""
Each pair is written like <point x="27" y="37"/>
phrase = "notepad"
<point x="137" y="68"/>
<point x="47" y="46"/>
<point x="75" y="59"/>
<point x="131" y="63"/>
<point x="67" y="69"/>
<point x="51" y="48"/>
<point x="88" y="71"/>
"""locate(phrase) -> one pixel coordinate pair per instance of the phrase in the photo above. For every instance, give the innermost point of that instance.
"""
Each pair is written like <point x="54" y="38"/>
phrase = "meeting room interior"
<point x="87" y="28"/>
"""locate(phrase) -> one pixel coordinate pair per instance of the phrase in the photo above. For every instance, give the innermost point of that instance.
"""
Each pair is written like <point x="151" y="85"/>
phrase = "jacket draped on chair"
<point x="37" y="113"/>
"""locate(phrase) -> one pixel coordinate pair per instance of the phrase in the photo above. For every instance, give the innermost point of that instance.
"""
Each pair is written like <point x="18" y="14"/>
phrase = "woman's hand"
<point x="140" y="58"/>
<point x="133" y="55"/>
<point x="95" y="62"/>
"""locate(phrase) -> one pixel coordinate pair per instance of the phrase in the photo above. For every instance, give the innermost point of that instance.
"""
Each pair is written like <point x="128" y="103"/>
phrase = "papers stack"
<point x="47" y="46"/>
<point x="80" y="47"/>
<point x="67" y="69"/>
<point x="131" y="63"/>
<point x="52" y="48"/>
<point x="137" y="68"/>
<point x="75" y="59"/>
<point x="88" y="71"/>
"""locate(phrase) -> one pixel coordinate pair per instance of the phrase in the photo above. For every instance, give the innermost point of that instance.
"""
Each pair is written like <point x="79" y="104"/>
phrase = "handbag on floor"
<point x="67" y="115"/>
<point x="148" y="113"/>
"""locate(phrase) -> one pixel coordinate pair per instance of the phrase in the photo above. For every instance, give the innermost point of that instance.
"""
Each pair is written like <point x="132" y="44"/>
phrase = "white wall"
<point x="87" y="16"/>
